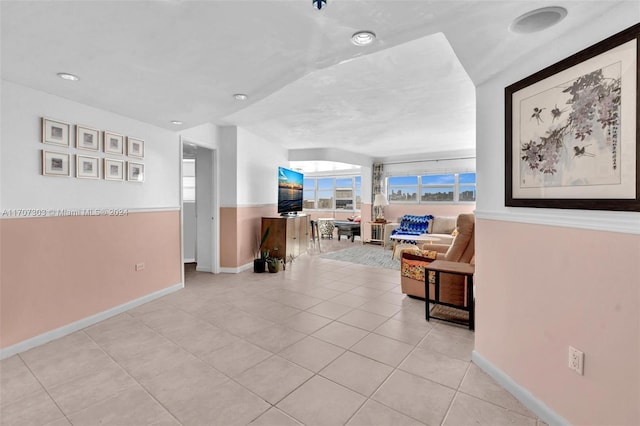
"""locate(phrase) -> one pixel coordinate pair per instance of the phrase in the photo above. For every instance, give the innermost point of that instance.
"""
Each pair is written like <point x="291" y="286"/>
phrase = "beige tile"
<point x="275" y="338"/>
<point x="201" y="339"/>
<point x="60" y="422"/>
<point x="275" y="417"/>
<point x="274" y="378"/>
<point x="366" y="292"/>
<point x="415" y="397"/>
<point x="225" y="404"/>
<point x="97" y="385"/>
<point x="448" y="344"/>
<point x="479" y="384"/>
<point x="16" y="381"/>
<point x="306" y="323"/>
<point x="373" y="413"/>
<point x="236" y="357"/>
<point x="362" y="319"/>
<point x="154" y="360"/>
<point x="382" y="349"/>
<point x="454" y="329"/>
<point x="392" y="297"/>
<point x="339" y="334"/>
<point x="330" y="309"/>
<point x="349" y="300"/>
<point x="311" y="353"/>
<point x="407" y="332"/>
<point x="276" y="312"/>
<point x="177" y="382"/>
<point x="34" y="409"/>
<point x="309" y="403"/>
<point x="241" y="323"/>
<point x="132" y="407"/>
<point x="469" y="410"/>
<point x="435" y="366"/>
<point x="381" y="308"/>
<point x="324" y="293"/>
<point x="70" y="362"/>
<point x="298" y="300"/>
<point x="410" y="315"/>
<point x="357" y="373"/>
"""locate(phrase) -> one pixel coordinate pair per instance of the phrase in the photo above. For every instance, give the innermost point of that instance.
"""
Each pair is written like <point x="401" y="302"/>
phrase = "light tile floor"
<point x="322" y="343"/>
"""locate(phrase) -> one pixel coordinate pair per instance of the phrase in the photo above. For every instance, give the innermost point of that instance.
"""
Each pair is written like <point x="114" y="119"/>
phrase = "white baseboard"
<point x="83" y="323"/>
<point x="538" y="407"/>
<point x="189" y="260"/>
<point x="237" y="270"/>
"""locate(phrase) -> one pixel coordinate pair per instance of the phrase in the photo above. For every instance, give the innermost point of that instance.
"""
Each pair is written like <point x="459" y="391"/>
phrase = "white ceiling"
<point x="410" y="93"/>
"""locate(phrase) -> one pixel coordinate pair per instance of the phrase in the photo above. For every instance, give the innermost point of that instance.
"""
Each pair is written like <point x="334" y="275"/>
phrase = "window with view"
<point x="329" y="193"/>
<point x="436" y="188"/>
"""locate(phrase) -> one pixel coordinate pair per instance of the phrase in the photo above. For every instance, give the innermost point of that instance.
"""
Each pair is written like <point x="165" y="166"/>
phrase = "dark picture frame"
<point x="572" y="134"/>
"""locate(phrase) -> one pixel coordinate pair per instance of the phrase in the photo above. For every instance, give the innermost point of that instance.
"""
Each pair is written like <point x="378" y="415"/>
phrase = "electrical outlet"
<point x="576" y="360"/>
<point x="139" y="266"/>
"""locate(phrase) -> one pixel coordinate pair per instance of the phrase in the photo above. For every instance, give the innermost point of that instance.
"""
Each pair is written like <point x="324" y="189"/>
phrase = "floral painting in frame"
<point x="571" y="135"/>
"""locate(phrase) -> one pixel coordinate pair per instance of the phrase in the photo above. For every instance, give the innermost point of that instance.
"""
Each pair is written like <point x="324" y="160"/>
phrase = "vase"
<point x="258" y="265"/>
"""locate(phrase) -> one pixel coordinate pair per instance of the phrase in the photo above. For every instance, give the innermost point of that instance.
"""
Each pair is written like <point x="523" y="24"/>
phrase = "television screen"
<point x="289" y="191"/>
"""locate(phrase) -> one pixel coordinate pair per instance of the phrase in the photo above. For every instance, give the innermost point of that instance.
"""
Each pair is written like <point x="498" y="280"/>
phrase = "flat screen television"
<point x="289" y="191"/>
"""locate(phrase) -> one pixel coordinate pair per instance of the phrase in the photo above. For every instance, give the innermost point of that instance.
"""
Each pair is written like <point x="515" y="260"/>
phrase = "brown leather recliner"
<point x="452" y="287"/>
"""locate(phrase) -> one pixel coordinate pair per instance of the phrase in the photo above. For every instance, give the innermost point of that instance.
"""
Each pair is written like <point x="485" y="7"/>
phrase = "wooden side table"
<point x="457" y="268"/>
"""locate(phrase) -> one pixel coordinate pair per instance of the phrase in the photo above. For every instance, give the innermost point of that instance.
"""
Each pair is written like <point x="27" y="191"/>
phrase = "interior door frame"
<point x="213" y="211"/>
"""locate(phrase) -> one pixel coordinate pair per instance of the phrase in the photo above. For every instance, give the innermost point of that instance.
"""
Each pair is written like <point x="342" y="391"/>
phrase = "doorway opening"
<point x="199" y="207"/>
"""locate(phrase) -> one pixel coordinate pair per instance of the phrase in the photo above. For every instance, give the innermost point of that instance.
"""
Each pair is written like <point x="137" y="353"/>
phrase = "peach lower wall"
<point x="240" y="229"/>
<point x="58" y="270"/>
<point x="543" y="288"/>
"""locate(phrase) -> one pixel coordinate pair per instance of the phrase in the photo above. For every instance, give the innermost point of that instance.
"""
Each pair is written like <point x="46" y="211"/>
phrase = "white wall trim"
<point x="233" y="206"/>
<point x="85" y="322"/>
<point x="238" y="269"/>
<point x="624" y="222"/>
<point x="539" y="408"/>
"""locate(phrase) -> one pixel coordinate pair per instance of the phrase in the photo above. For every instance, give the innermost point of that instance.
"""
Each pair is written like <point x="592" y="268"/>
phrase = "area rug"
<point x="366" y="254"/>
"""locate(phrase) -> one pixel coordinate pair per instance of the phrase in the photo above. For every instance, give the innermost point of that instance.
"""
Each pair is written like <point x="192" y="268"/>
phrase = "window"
<point x="329" y="193"/>
<point x="189" y="179"/>
<point x="467" y="187"/>
<point x="403" y="188"/>
<point x="440" y="188"/>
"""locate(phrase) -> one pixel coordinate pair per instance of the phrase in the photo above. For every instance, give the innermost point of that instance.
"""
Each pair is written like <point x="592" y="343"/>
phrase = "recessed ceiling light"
<point x="362" y="38"/>
<point x="176" y="122"/>
<point x="240" y="97"/>
<point x="67" y="76"/>
<point x="538" y="20"/>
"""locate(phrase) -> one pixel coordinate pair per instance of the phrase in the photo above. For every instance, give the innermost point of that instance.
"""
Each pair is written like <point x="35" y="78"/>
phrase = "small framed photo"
<point x="87" y="138"/>
<point x="113" y="169"/>
<point x="55" y="132"/>
<point x="135" y="172"/>
<point x="135" y="147"/>
<point x="113" y="143"/>
<point x="87" y="167"/>
<point x="55" y="164"/>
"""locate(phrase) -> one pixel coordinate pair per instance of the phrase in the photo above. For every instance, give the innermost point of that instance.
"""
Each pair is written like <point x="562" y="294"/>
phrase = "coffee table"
<point x="417" y="238"/>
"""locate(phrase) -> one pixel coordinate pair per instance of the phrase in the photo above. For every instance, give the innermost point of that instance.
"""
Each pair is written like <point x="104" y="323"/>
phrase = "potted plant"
<point x="262" y="254"/>
<point x="273" y="263"/>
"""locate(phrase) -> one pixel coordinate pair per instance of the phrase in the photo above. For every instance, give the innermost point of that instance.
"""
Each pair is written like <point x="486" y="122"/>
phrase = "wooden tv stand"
<point x="288" y="235"/>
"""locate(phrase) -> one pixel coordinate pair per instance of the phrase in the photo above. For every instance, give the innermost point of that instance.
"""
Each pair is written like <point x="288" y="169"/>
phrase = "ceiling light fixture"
<point x="538" y="20"/>
<point x="67" y="76"/>
<point x="319" y="4"/>
<point x="362" y="38"/>
<point x="240" y="97"/>
<point x="176" y="122"/>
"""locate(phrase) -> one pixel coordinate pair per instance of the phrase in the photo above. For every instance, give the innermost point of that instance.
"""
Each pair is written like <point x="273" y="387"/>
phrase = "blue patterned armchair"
<point x="411" y="225"/>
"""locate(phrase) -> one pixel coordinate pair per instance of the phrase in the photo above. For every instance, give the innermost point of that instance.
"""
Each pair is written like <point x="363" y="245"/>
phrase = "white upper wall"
<point x="24" y="186"/>
<point x="258" y="161"/>
<point x="490" y="144"/>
